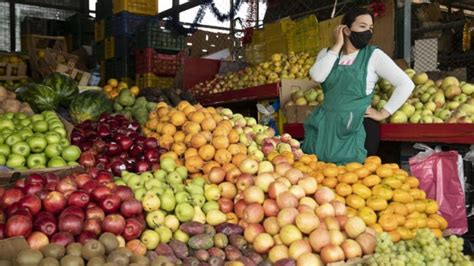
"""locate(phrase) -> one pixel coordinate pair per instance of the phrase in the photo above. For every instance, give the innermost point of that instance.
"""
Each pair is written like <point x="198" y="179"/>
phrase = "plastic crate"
<point x="141" y="7"/>
<point x="120" y="67"/>
<point x="32" y="25"/>
<point x="275" y="46"/>
<point x="79" y="23"/>
<point x="123" y="46"/>
<point x="99" y="33"/>
<point x="150" y="61"/>
<point x="124" y="24"/>
<point x="103" y="9"/>
<point x="109" y="47"/>
<point x="150" y="80"/>
<point x="273" y="30"/>
<point x="152" y="36"/>
<point x="98" y="50"/>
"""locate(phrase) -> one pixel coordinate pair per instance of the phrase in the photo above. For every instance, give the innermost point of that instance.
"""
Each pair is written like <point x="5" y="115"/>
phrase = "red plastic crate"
<point x="150" y="61"/>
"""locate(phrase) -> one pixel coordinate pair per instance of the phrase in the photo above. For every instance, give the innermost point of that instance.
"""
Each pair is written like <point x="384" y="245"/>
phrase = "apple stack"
<point x="35" y="142"/>
<point x="76" y="208"/>
<point x="114" y="143"/>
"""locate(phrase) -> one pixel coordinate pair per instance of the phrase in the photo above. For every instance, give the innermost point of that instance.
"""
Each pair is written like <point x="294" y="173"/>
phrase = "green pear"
<point x="184" y="212"/>
<point x="168" y="202"/>
<point x="165" y="234"/>
<point x="171" y="222"/>
<point x="182" y="171"/>
<point x="120" y="182"/>
<point x="146" y="176"/>
<point x="139" y="193"/>
<point x="126" y="175"/>
<point x="156" y="190"/>
<point x="212" y="192"/>
<point x="177" y="187"/>
<point x="151" y="239"/>
<point x="210" y="205"/>
<point x="168" y="164"/>
<point x="215" y="217"/>
<point x="155" y="219"/>
<point x="182" y="196"/>
<point x="135" y="182"/>
<point x="151" y="202"/>
<point x="198" y="199"/>
<point x="153" y="183"/>
<point x="160" y="174"/>
<point x="199" y="215"/>
<point x="199" y="181"/>
<point x="181" y="236"/>
<point x="174" y="178"/>
<point x="194" y="189"/>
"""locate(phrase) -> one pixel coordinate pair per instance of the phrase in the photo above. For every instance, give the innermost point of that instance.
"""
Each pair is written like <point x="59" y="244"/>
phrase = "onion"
<point x="71" y="223"/>
<point x="354" y="226"/>
<point x="325" y="210"/>
<point x="367" y="243"/>
<point x="351" y="249"/>
<point x="324" y="195"/>
<point x="336" y="237"/>
<point x="319" y="238"/>
<point x="332" y="253"/>
<point x="332" y="223"/>
<point x="339" y="208"/>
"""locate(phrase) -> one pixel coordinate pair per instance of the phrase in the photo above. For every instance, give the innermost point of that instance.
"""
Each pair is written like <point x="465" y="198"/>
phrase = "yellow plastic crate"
<point x="109" y="47"/>
<point x="140" y="7"/>
<point x="99" y="32"/>
<point x="150" y="80"/>
<point x="304" y="42"/>
<point x="306" y="23"/>
<point x="280" y="27"/>
<point x="276" y="45"/>
<point x="258" y="36"/>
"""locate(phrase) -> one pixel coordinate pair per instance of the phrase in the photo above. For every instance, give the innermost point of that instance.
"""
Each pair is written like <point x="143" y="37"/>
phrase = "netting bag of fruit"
<point x="441" y="177"/>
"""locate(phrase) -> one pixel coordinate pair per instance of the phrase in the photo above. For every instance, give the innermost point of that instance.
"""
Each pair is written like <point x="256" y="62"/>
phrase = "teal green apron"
<point x="335" y="131"/>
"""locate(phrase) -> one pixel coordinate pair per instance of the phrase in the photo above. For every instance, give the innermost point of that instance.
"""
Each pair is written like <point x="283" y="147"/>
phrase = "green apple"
<point x="160" y="174"/>
<point x="55" y="124"/>
<point x="9" y="115"/>
<point x="151" y="239"/>
<point x="73" y="164"/>
<point x="15" y="161"/>
<point x="146" y="176"/>
<point x="53" y="150"/>
<point x="168" y="164"/>
<point x="25" y="133"/>
<point x="21" y="116"/>
<point x="3" y="159"/>
<point x="139" y="193"/>
<point x="181" y="236"/>
<point x="6" y="124"/>
<point x="156" y="190"/>
<point x="64" y="142"/>
<point x="155" y="218"/>
<point x="4" y="150"/>
<point x="152" y="183"/>
<point x="182" y="171"/>
<point x="165" y="234"/>
<point x="198" y="199"/>
<point x="40" y="126"/>
<point x="25" y="122"/>
<point x="57" y="162"/>
<point x="120" y="182"/>
<point x="171" y="222"/>
<point x="173" y="177"/>
<point x="199" y="181"/>
<point x="184" y="212"/>
<point x="49" y="113"/>
<point x="36" y="161"/>
<point x="177" y="187"/>
<point x="37" y="143"/>
<point x="36" y="117"/>
<point x="126" y="175"/>
<point x="2" y="139"/>
<point x="151" y="202"/>
<point x="61" y="131"/>
<point x="182" y="196"/>
<point x="13" y="139"/>
<point x="52" y="137"/>
<point x="21" y="148"/>
<point x="71" y="153"/>
<point x="168" y="202"/>
<point x="210" y="205"/>
<point x="194" y="189"/>
<point x="135" y="182"/>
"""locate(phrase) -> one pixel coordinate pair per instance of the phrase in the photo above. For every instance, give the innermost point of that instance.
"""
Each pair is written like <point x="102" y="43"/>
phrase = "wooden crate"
<point x="80" y="76"/>
<point x="52" y="58"/>
<point x="38" y="44"/>
<point x="10" y="71"/>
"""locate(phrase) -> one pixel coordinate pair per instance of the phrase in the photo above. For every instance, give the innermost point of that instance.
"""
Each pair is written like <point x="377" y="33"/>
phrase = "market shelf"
<point x="264" y="92"/>
<point x="442" y="133"/>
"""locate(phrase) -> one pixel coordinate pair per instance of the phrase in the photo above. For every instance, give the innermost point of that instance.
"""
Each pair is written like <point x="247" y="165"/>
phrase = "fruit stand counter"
<point x="258" y="93"/>
<point x="442" y="133"/>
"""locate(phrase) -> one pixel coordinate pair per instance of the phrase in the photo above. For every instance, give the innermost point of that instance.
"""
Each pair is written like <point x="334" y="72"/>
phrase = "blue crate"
<point x="120" y="67"/>
<point x="124" y="24"/>
<point x="103" y="9"/>
<point x="123" y="46"/>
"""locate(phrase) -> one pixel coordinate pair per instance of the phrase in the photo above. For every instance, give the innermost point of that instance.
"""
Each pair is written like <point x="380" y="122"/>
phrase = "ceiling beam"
<point x="180" y="8"/>
<point x="469" y="5"/>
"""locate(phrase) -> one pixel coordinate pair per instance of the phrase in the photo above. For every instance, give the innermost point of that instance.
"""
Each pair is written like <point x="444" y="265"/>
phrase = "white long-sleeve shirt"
<point x="380" y="66"/>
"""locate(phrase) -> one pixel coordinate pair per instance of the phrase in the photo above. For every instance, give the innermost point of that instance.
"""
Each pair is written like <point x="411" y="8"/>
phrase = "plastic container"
<point x="150" y="61"/>
<point x="103" y="9"/>
<point x="99" y="33"/>
<point x="79" y="24"/>
<point x="119" y="68"/>
<point x="153" y="36"/>
<point x="150" y="80"/>
<point x="123" y="46"/>
<point x="141" y="7"/>
<point x="98" y="50"/>
<point x="109" y="45"/>
<point x="124" y="24"/>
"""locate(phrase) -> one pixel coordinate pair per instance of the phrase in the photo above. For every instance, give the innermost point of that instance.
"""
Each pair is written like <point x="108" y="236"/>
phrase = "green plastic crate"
<point x="152" y="36"/>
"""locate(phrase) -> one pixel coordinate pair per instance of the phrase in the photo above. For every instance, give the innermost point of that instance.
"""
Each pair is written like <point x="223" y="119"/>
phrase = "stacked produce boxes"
<point x="115" y="28"/>
<point x="79" y="30"/>
<point x="157" y="57"/>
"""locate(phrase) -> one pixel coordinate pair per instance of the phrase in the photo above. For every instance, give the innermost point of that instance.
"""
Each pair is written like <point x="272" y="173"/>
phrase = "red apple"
<point x="95" y="213"/>
<point x="104" y="177"/>
<point x="142" y="166"/>
<point x="37" y="240"/>
<point x="110" y="204"/>
<point x="125" y="143"/>
<point x="3" y="233"/>
<point x="33" y="188"/>
<point x="78" y="198"/>
<point x="85" y="236"/>
<point x="252" y="230"/>
<point x="54" y="202"/>
<point x="66" y="184"/>
<point x="100" y="192"/>
<point x="133" y="229"/>
<point x="11" y="196"/>
<point x="71" y="223"/>
<point x="244" y="181"/>
<point x="46" y="224"/>
<point x="118" y="166"/>
<point x="239" y="208"/>
<point x="50" y="177"/>
<point x="270" y="207"/>
<point x="254" y="213"/>
<point x="62" y="238"/>
<point x="42" y="194"/>
<point x="73" y="210"/>
<point x="51" y="186"/>
<point x="93" y="225"/>
<point x="131" y="207"/>
<point x="226" y="205"/>
<point x="124" y="192"/>
<point x="89" y="186"/>
<point x="20" y="183"/>
<point x="152" y="155"/>
<point x="3" y="217"/>
<point x="32" y="202"/>
<point x="113" y="223"/>
<point x="35" y="179"/>
<point x="113" y="149"/>
<point x="19" y="225"/>
<point x="151" y="143"/>
<point x="82" y="179"/>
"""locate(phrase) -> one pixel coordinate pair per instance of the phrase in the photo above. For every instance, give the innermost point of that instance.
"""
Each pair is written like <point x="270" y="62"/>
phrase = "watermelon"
<point x="64" y="86"/>
<point x="89" y="105"/>
<point x="39" y="96"/>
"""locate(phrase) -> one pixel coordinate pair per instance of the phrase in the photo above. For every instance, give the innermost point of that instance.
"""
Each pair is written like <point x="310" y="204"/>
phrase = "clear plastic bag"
<point x="441" y="177"/>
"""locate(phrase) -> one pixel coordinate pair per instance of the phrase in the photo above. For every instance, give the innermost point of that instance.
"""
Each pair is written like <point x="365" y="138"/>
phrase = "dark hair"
<point x="351" y="15"/>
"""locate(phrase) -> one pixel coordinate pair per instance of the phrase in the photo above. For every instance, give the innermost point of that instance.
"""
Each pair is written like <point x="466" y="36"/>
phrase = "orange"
<point x="179" y="148"/>
<point x="371" y="166"/>
<point x="191" y="127"/>
<point x="377" y="228"/>
<point x="371" y="180"/>
<point x="190" y="153"/>
<point x="220" y="131"/>
<point x="194" y="164"/>
<point x="223" y="156"/>
<point x="206" y="169"/>
<point x="438" y="233"/>
<point x="112" y="82"/>
<point x="431" y="206"/>
<point x="234" y="136"/>
<point x="179" y="136"/>
<point x="362" y="172"/>
<point x="238" y="158"/>
<point x="234" y="149"/>
<point x="432" y="223"/>
<point x="376" y="203"/>
<point x="394" y="236"/>
<point x="405" y="233"/>
<point x="330" y="182"/>
<point x="399" y="208"/>
<point x="331" y="171"/>
<point x="421" y="223"/>
<point x="392" y="182"/>
<point x="383" y="191"/>
<point x="351" y="212"/>
<point x="207" y="152"/>
<point x="178" y="118"/>
<point x="402" y="196"/>
<point x="374" y="159"/>
<point x="411" y="223"/>
<point x="413" y="181"/>
<point x="198" y="140"/>
<point x="341" y="199"/>
<point x="410" y="207"/>
<point x="361" y="190"/>
<point x="166" y="141"/>
<point x="368" y="215"/>
<point x="168" y="129"/>
<point x="182" y="105"/>
<point x="169" y="154"/>
<point x="349" y="178"/>
<point x="388" y="222"/>
<point x="355" y="201"/>
<point x="343" y="189"/>
<point x="384" y="171"/>
<point x="353" y="166"/>
<point x="220" y="142"/>
<point x="400" y="219"/>
<point x="134" y="90"/>
<point x="208" y="124"/>
<point x="443" y="224"/>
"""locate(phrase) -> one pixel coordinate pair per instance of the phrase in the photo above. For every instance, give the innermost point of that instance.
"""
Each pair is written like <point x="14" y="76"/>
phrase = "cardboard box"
<point x="80" y="76"/>
<point x="294" y="114"/>
<point x="10" y="247"/>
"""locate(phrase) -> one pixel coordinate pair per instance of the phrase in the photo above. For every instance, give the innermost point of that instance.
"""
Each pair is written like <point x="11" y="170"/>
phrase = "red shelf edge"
<point x="263" y="92"/>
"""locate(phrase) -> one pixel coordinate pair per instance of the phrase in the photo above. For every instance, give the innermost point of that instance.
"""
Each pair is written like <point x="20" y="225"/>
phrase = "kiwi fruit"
<point x="74" y="249"/>
<point x="118" y="257"/>
<point x="96" y="261"/>
<point x="54" y="251"/>
<point x="5" y="263"/>
<point x="70" y="260"/>
<point x="49" y="261"/>
<point x="109" y="241"/>
<point x="141" y="260"/>
<point x="29" y="257"/>
<point x="93" y="248"/>
<point x="112" y="264"/>
<point x="126" y="251"/>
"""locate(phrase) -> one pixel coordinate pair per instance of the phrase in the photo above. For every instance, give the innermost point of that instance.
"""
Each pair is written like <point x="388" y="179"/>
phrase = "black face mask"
<point x="360" y="39"/>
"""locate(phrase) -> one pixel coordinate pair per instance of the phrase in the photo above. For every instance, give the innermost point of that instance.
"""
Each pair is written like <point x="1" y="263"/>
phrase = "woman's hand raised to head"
<point x="338" y="34"/>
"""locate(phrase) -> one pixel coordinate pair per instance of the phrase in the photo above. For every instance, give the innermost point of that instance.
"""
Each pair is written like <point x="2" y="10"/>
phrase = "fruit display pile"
<point x="35" y="142"/>
<point x="281" y="66"/>
<point x="113" y="88"/>
<point x="9" y="103"/>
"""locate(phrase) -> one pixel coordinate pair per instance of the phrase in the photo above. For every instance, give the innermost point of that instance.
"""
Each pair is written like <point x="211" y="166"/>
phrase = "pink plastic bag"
<point x="439" y="177"/>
